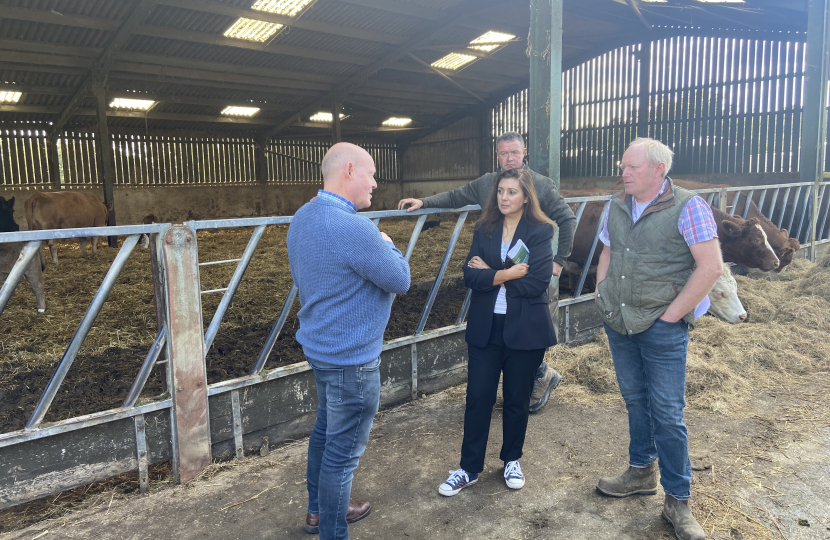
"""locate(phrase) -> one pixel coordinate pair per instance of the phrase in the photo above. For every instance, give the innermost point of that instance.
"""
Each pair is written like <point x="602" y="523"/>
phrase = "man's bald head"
<point x="336" y="162"/>
<point x="348" y="170"/>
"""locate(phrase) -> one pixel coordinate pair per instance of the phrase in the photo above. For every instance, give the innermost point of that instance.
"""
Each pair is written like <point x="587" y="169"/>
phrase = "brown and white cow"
<point x="725" y="304"/>
<point x="783" y="246"/>
<point x="9" y="253"/>
<point x="66" y="210"/>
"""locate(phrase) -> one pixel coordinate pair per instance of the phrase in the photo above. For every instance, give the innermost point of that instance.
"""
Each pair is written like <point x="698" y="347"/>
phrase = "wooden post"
<point x="538" y="147"/>
<point x="814" y="125"/>
<point x="186" y="353"/>
<point x="644" y="57"/>
<point x="105" y="161"/>
<point x="54" y="162"/>
<point x="336" y="107"/>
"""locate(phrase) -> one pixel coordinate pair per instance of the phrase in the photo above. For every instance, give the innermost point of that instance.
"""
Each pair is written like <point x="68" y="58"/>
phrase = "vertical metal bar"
<point x="241" y="267"/>
<point x="414" y="358"/>
<point x="820" y="228"/>
<point x="190" y="424"/>
<point x="555" y="92"/>
<point x="588" y="261"/>
<point x="746" y="203"/>
<point x="783" y="207"/>
<point x="567" y="324"/>
<point x="798" y="196"/>
<point x="237" y="424"/>
<point x="141" y="455"/>
<point x="83" y="329"/>
<point x="440" y="277"/>
<point x="146" y="368"/>
<point x="722" y="200"/>
<point x="808" y="207"/>
<point x="761" y="201"/>
<point x="579" y="212"/>
<point x="275" y="331"/>
<point x="772" y="203"/>
<point x="465" y="307"/>
<point x="710" y="197"/>
<point x="416" y="233"/>
<point x="16" y="274"/>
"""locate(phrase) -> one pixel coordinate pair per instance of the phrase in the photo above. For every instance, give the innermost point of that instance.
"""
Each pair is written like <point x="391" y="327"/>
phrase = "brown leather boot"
<point x="357" y="511"/>
<point x="634" y="481"/>
<point x="680" y="516"/>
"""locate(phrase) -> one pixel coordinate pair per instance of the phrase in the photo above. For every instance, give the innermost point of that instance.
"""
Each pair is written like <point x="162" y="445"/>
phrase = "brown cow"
<point x="66" y="210"/>
<point x="145" y="239"/>
<point x="784" y="246"/>
<point x="9" y="253"/>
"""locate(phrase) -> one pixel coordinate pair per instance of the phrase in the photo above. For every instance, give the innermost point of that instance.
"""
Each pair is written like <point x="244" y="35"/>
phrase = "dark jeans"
<point x="483" y="371"/>
<point x="347" y="401"/>
<point x="651" y="372"/>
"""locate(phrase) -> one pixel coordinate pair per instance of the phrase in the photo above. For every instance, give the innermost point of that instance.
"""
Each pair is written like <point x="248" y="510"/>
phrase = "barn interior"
<point x="241" y="100"/>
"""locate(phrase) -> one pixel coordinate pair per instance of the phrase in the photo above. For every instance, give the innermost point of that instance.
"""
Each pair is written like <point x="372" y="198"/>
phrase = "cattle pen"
<point x="176" y="108"/>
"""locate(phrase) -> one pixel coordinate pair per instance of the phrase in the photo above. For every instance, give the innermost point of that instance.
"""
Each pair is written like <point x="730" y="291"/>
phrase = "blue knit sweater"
<point x="346" y="274"/>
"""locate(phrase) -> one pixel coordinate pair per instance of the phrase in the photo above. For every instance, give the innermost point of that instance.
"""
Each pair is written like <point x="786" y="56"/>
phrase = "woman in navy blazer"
<point x="508" y="327"/>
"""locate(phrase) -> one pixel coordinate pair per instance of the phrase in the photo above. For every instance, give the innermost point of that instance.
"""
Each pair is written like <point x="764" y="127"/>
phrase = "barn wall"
<point x="737" y="180"/>
<point x="450" y="154"/>
<point x="182" y="203"/>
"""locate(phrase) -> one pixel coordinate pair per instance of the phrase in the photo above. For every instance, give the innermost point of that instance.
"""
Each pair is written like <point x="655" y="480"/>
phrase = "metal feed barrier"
<point x="195" y="421"/>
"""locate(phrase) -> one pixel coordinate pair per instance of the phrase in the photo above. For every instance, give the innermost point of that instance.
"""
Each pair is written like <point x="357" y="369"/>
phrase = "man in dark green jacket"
<point x="511" y="151"/>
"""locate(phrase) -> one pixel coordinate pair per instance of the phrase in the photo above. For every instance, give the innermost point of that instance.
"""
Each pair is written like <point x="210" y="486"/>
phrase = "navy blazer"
<point x="528" y="323"/>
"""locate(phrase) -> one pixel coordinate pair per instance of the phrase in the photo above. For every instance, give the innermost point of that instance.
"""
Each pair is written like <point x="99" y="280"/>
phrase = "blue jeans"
<point x="651" y="372"/>
<point x="347" y="401"/>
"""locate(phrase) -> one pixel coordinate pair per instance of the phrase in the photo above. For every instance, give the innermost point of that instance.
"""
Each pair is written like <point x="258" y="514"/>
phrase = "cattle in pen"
<point x="10" y="253"/>
<point x="66" y="210"/>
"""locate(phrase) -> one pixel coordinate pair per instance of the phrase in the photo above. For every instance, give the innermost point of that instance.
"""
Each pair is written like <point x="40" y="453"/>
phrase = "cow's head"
<point x="726" y="305"/>
<point x="7" y="222"/>
<point x="745" y="242"/>
<point x="786" y="251"/>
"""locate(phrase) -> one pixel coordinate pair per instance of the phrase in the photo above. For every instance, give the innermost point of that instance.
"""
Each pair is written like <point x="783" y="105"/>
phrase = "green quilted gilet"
<point x="650" y="262"/>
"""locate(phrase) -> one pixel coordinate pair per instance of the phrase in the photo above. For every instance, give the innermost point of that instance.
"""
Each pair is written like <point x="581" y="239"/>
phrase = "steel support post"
<point x="814" y="125"/>
<point x="539" y="95"/>
<point x="555" y="102"/>
<point x="485" y="142"/>
<point x="105" y="161"/>
<point x="186" y="354"/>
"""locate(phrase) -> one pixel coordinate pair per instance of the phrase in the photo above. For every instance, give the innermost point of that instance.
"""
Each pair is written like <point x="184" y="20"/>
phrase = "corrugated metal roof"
<point x="49" y="45"/>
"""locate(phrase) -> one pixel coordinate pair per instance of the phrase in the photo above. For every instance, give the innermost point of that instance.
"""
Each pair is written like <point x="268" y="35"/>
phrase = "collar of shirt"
<point x="332" y="197"/>
<point x="635" y="215"/>
<point x="524" y="166"/>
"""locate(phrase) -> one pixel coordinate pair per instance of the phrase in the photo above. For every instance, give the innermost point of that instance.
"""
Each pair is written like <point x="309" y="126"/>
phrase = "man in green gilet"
<point x="660" y="260"/>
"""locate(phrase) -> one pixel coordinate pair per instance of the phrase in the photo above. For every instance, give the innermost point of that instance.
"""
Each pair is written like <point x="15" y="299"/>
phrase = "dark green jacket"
<point x="551" y="202"/>
<point x="650" y="262"/>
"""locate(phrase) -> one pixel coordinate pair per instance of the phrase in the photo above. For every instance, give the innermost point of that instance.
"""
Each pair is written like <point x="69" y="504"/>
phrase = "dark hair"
<point x="510" y="136"/>
<point x="491" y="214"/>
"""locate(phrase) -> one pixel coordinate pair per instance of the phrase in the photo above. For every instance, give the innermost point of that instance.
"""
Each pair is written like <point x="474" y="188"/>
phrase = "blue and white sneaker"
<point x="513" y="476"/>
<point x="457" y="481"/>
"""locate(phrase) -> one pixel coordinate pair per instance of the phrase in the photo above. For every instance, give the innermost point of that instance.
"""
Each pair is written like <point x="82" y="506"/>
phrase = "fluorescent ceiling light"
<point x="397" y="121"/>
<point x="262" y="31"/>
<point x="492" y="39"/>
<point x="283" y="7"/>
<point x="325" y="117"/>
<point x="240" y="111"/>
<point x="134" y="104"/>
<point x="488" y="42"/>
<point x="453" y="61"/>
<point x="9" y="97"/>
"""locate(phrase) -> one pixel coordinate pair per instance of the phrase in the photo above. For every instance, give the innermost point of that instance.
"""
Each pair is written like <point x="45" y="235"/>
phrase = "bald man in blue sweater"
<point x="347" y="272"/>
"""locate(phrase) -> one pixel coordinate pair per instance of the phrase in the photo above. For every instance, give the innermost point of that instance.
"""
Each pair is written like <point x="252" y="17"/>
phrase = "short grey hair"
<point x="656" y="152"/>
<point x="508" y="136"/>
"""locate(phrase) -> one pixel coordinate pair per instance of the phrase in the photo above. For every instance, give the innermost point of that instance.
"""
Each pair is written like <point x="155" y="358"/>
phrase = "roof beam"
<point x="53" y="17"/>
<point x="232" y="11"/>
<point x="104" y="62"/>
<point x="449" y="18"/>
<point x="37" y="89"/>
<point x="399" y="8"/>
<point x="447" y="77"/>
<point x="47" y="59"/>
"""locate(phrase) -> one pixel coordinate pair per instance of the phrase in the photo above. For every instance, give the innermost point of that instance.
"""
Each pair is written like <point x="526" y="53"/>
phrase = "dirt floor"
<point x="111" y="355"/>
<point x="759" y="475"/>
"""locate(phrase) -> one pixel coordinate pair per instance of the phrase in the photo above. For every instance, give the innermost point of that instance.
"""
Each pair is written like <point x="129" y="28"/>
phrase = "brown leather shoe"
<point x="357" y="511"/>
